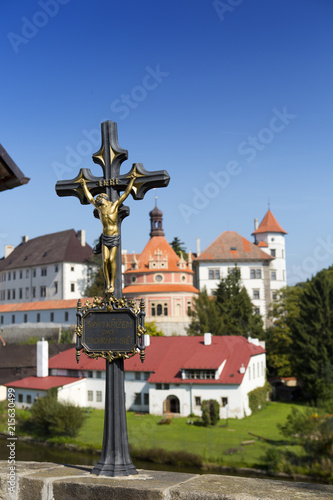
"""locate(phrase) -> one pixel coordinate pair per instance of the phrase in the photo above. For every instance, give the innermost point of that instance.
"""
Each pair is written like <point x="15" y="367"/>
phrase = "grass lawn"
<point x="221" y="444"/>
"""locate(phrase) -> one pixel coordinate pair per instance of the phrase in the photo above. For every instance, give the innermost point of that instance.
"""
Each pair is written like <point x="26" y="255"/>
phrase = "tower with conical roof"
<point x="270" y="237"/>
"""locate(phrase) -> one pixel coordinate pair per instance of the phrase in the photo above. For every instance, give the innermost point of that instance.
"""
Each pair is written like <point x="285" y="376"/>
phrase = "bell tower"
<point x="156" y="221"/>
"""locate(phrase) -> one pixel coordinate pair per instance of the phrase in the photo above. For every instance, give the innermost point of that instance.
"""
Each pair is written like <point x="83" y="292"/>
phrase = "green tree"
<point x="96" y="289"/>
<point x="178" y="247"/>
<point x="279" y="337"/>
<point x="204" y="316"/>
<point x="153" y="330"/>
<point x="312" y="335"/>
<point x="235" y="308"/>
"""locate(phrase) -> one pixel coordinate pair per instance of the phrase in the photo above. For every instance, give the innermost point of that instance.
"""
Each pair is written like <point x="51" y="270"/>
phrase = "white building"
<point x="262" y="264"/>
<point x="50" y="267"/>
<point x="177" y="375"/>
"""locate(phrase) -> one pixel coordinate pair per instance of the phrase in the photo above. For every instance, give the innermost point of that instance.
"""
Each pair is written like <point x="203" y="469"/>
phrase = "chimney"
<point x="255" y="224"/>
<point x="42" y="358"/>
<point x="207" y="338"/>
<point x="25" y="238"/>
<point x="198" y="247"/>
<point x="147" y="339"/>
<point x="190" y="260"/>
<point x="8" y="250"/>
<point x="81" y="235"/>
<point x="242" y="369"/>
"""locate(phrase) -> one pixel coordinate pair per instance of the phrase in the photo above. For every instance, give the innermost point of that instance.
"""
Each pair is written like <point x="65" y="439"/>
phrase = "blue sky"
<point x="233" y="98"/>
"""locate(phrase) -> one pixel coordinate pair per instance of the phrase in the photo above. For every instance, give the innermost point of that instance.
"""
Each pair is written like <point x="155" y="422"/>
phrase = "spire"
<point x="269" y="224"/>
<point x="156" y="221"/>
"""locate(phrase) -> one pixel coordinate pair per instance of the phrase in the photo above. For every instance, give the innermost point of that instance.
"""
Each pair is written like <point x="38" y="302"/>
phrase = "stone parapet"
<point x="48" y="481"/>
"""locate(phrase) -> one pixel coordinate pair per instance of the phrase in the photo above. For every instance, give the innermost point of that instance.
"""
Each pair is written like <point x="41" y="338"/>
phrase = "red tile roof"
<point x="269" y="224"/>
<point x="167" y="356"/>
<point x="231" y="246"/>
<point x="46" y="305"/>
<point x="63" y="246"/>
<point x="262" y="244"/>
<point x="158" y="243"/>
<point x="43" y="383"/>
<point x="158" y="288"/>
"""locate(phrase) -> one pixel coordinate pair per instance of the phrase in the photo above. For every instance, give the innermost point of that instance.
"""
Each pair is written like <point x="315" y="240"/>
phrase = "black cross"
<point x="110" y="157"/>
<point x="115" y="459"/>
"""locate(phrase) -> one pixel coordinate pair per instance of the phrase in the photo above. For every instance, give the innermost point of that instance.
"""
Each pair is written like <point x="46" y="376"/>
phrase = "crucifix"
<point x="115" y="459"/>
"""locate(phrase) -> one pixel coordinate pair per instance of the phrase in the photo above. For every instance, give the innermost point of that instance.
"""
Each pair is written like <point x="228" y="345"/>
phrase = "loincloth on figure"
<point x="108" y="241"/>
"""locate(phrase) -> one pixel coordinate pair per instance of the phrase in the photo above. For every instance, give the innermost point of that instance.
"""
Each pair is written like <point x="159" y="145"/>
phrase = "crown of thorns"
<point x="105" y="196"/>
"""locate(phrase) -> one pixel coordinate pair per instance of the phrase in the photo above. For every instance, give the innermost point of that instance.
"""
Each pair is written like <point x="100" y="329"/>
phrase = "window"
<point x="55" y="287"/>
<point x="146" y="399"/>
<point x="98" y="396"/>
<point x="90" y="374"/>
<point x="165" y="309"/>
<point x="9" y="276"/>
<point x="38" y="317"/>
<point x="52" y="317"/>
<point x="137" y="398"/>
<point x="14" y="275"/>
<point x="28" y="398"/>
<point x="34" y="273"/>
<point x="25" y="318"/>
<point x="256" y="294"/>
<point x="66" y="316"/>
<point x="257" y="310"/>
<point x="43" y="291"/>
<point x="90" y="395"/>
<point x="98" y="374"/>
<point x="254" y="371"/>
<point x="159" y="309"/>
<point x="197" y="401"/>
<point x="72" y="268"/>
<point x="8" y="294"/>
<point x="224" y="402"/>
<point x="21" y="275"/>
<point x="72" y="287"/>
<point x="26" y="292"/>
<point x="133" y="279"/>
<point x="137" y="376"/>
<point x="158" y="278"/>
<point x="20" y="398"/>
<point x="158" y="387"/>
<point x="1" y="320"/>
<point x="273" y="252"/>
<point x="146" y="375"/>
<point x="213" y="274"/>
<point x="255" y="274"/>
<point x="153" y="310"/>
<point x="33" y="292"/>
<point x="13" y="318"/>
<point x="189" y="308"/>
<point x="200" y="374"/>
<point x="56" y="268"/>
<point x="14" y="294"/>
<point x="21" y="293"/>
<point x="273" y="275"/>
<point x="27" y="273"/>
<point x="274" y="295"/>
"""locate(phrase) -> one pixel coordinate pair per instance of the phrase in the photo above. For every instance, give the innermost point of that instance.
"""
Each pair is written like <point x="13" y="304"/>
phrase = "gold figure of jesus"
<point x="110" y="238"/>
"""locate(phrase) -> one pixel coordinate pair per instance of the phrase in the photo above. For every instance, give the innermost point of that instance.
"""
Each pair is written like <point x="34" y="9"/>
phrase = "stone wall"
<point x="48" y="481"/>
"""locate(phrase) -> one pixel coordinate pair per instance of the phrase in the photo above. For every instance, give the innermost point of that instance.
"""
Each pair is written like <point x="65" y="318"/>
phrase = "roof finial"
<point x="155" y="201"/>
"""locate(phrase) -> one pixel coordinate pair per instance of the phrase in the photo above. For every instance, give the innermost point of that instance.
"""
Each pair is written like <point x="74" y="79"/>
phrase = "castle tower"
<point x="270" y="237"/>
<point x="156" y="222"/>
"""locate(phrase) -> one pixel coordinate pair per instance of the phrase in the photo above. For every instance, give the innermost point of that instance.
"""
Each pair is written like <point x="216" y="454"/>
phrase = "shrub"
<point x="210" y="412"/>
<point x="259" y="397"/>
<point x="49" y="417"/>
<point x="165" y="421"/>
